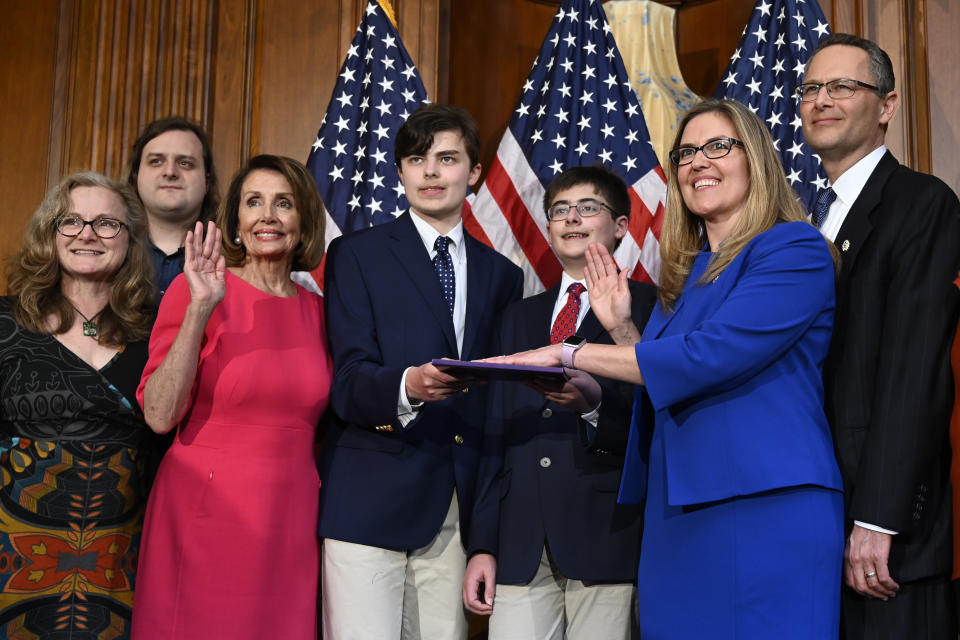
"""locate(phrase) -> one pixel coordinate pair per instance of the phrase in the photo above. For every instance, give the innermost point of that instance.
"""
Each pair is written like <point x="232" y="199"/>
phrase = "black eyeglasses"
<point x="71" y="226"/>
<point x="837" y="89"/>
<point x="716" y="148"/>
<point x="585" y="208"/>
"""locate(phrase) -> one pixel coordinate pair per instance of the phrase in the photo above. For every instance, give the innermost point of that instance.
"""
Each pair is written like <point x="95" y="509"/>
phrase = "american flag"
<point x="765" y="70"/>
<point x="352" y="157"/>
<point x="576" y="108"/>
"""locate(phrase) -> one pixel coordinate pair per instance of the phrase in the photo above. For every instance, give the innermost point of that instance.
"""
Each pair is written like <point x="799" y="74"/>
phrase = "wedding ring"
<point x="872" y="574"/>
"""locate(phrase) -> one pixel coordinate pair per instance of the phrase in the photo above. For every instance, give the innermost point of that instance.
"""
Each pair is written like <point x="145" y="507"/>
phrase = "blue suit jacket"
<point x="734" y="375"/>
<point x="570" y="502"/>
<point x="385" y="312"/>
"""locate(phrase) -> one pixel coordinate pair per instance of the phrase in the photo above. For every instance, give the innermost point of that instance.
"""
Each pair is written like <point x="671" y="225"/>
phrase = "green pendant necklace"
<point x="89" y="324"/>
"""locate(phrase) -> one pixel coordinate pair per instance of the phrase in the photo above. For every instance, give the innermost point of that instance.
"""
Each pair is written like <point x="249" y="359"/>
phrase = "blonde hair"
<point x="769" y="200"/>
<point x="34" y="273"/>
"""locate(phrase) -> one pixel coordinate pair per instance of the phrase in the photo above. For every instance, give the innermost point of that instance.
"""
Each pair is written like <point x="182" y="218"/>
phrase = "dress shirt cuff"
<point x="873" y="527"/>
<point x="593" y="417"/>
<point x="406" y="410"/>
<point x="590" y="421"/>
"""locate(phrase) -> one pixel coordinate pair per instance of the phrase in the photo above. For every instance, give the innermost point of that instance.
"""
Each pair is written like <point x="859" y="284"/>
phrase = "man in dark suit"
<point x="398" y="465"/>
<point x="887" y="376"/>
<point x="547" y="534"/>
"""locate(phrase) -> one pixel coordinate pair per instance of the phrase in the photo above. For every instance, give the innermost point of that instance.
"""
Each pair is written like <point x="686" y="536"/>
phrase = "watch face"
<point x="574" y="341"/>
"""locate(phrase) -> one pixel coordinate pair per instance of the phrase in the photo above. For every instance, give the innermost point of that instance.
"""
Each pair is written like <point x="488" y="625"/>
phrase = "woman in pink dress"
<point x="239" y="364"/>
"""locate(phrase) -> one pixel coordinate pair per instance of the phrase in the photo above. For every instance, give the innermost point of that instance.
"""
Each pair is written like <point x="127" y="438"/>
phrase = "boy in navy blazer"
<point x="547" y="536"/>
<point x="398" y="464"/>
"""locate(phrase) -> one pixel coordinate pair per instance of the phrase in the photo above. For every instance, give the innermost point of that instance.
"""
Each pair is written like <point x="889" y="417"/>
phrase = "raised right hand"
<point x="204" y="266"/>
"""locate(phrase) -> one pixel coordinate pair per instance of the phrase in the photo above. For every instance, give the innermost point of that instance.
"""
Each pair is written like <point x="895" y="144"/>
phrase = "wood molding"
<point x="916" y="87"/>
<point x="418" y="22"/>
<point x="120" y="65"/>
<point x="229" y="126"/>
<point x="846" y="16"/>
<point x="252" y="69"/>
<point x="59" y="115"/>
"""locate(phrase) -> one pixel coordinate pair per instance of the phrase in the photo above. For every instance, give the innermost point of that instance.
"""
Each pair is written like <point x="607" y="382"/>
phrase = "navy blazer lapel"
<point x="480" y="296"/>
<point x="858" y="224"/>
<point x="539" y="319"/>
<point x="414" y="259"/>
<point x="590" y="327"/>
<point x="541" y="324"/>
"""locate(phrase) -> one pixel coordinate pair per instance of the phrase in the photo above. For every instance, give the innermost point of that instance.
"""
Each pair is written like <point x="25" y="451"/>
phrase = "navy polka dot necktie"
<point x="566" y="323"/>
<point x="824" y="199"/>
<point x="443" y="265"/>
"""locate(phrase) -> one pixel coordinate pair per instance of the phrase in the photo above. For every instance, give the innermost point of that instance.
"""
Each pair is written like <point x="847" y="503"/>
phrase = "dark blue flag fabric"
<point x="764" y="73"/>
<point x="352" y="157"/>
<point x="576" y="108"/>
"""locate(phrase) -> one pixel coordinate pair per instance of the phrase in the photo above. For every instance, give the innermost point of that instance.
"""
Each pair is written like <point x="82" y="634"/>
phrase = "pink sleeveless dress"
<point x="230" y="546"/>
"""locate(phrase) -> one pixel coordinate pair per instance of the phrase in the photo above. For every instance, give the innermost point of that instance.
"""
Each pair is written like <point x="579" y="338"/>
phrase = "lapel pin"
<point x="845" y="246"/>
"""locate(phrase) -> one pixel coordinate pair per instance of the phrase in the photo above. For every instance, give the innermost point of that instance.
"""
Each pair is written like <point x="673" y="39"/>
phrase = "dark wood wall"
<point x="80" y="78"/>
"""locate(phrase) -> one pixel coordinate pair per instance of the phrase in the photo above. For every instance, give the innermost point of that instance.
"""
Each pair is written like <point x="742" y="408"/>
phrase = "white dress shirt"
<point x="848" y="187"/>
<point x="406" y="411"/>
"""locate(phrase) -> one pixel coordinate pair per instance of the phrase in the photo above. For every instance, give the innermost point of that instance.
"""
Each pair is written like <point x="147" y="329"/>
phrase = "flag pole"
<point x="388" y="9"/>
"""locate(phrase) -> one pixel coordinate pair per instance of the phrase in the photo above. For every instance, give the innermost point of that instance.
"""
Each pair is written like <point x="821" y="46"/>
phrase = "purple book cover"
<point x="498" y="371"/>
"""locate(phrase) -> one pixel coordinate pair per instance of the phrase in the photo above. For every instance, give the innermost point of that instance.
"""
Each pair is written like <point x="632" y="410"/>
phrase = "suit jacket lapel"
<point x="590" y="328"/>
<point x="478" y="291"/>
<point x="542" y="320"/>
<point x="414" y="259"/>
<point x="659" y="321"/>
<point x="539" y="322"/>
<point x="858" y="224"/>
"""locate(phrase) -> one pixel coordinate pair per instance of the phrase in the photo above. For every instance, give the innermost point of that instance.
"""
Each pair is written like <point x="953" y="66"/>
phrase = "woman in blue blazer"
<point x="729" y="446"/>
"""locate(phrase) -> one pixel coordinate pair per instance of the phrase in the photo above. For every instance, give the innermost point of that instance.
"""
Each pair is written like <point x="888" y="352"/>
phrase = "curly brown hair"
<point x="34" y="274"/>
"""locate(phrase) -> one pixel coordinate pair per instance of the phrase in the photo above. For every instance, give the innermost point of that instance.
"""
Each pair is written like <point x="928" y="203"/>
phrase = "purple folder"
<point x="496" y="371"/>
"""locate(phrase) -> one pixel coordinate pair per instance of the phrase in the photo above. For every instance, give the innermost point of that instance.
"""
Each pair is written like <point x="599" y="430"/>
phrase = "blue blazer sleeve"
<point x="365" y="389"/>
<point x="734" y="373"/>
<point x="772" y="293"/>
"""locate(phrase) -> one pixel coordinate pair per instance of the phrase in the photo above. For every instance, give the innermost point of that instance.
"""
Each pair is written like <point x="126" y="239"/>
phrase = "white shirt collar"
<point x="566" y="280"/>
<point x="849" y="185"/>
<point x="429" y="235"/>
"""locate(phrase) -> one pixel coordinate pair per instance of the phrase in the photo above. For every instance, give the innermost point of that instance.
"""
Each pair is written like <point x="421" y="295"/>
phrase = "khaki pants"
<point x="551" y="607"/>
<point x="371" y="593"/>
